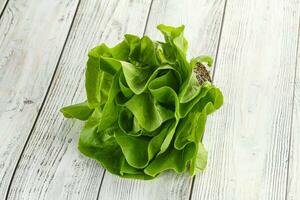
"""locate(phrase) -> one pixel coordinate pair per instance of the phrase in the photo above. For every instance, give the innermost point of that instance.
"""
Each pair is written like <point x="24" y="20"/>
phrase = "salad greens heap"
<point x="146" y="106"/>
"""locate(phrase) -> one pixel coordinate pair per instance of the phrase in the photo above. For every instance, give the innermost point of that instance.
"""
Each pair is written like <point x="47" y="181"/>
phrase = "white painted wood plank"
<point x="248" y="138"/>
<point x="293" y="187"/>
<point x="53" y="166"/>
<point x="32" y="34"/>
<point x="168" y="186"/>
<point x="203" y="21"/>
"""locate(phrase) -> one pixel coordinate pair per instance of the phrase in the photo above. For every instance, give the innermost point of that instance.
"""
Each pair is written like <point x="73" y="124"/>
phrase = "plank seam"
<point x="192" y="188"/>
<point x="44" y="100"/>
<point x="4" y="7"/>
<point x="219" y="41"/>
<point x="148" y="16"/>
<point x="292" y="114"/>
<point x="213" y="75"/>
<point x="98" y="194"/>
<point x="145" y="27"/>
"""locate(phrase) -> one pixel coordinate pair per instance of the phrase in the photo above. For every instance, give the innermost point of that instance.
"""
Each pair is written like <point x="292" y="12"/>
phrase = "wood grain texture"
<point x="248" y="139"/>
<point x="293" y="183"/>
<point x="32" y="37"/>
<point x="168" y="186"/>
<point x="203" y="22"/>
<point x="53" y="166"/>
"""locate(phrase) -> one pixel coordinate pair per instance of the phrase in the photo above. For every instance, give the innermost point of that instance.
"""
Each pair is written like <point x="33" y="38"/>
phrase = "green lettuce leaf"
<point x="146" y="110"/>
<point x="80" y="111"/>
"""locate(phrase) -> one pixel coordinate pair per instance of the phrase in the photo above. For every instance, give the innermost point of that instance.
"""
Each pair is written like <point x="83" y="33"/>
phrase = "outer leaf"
<point x="175" y="36"/>
<point x="79" y="111"/>
<point x="138" y="78"/>
<point x="172" y="159"/>
<point x="135" y="149"/>
<point x="110" y="113"/>
<point x="199" y="161"/>
<point x="94" y="76"/>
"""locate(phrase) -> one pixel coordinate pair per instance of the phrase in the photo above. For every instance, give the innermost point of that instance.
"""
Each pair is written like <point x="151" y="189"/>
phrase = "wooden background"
<point x="253" y="141"/>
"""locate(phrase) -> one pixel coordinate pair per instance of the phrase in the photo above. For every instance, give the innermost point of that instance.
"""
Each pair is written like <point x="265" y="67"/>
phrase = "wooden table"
<point x="253" y="141"/>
